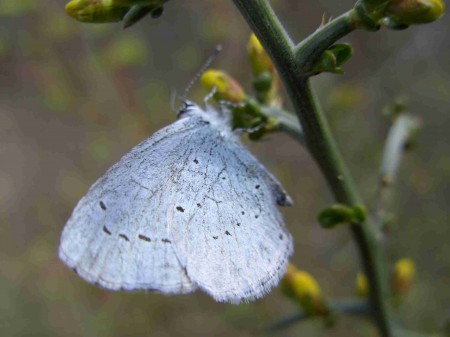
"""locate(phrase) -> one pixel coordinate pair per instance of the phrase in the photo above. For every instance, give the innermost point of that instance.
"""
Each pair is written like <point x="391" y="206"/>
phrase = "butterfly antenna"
<point x="208" y="62"/>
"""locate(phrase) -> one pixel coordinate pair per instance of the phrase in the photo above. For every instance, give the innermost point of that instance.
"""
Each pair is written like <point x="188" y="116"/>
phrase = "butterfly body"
<point x="187" y="208"/>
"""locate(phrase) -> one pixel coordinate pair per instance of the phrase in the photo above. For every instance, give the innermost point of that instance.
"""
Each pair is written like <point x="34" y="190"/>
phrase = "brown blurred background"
<point x="75" y="97"/>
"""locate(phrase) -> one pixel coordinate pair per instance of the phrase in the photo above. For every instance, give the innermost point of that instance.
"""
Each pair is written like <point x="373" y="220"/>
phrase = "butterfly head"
<point x="187" y="107"/>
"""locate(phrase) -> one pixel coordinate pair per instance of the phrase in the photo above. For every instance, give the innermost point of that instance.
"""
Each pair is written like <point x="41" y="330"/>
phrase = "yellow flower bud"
<point x="302" y="287"/>
<point x="404" y="272"/>
<point x="266" y="81"/>
<point x="259" y="59"/>
<point x="95" y="11"/>
<point x="410" y="12"/>
<point x="362" y="285"/>
<point x="227" y="88"/>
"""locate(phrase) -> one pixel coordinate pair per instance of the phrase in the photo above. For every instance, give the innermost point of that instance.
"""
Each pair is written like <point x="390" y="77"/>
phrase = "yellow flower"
<point x="302" y="287"/>
<point x="362" y="285"/>
<point x="227" y="88"/>
<point x="259" y="59"/>
<point x="403" y="276"/>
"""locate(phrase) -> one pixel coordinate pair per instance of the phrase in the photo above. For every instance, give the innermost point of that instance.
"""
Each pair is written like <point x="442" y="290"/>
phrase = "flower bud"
<point x="100" y="11"/>
<point x="402" y="278"/>
<point x="410" y="12"/>
<point x="303" y="288"/>
<point x="339" y="214"/>
<point x="95" y="11"/>
<point x="266" y="81"/>
<point x="259" y="59"/>
<point x="227" y="88"/>
<point x="362" y="285"/>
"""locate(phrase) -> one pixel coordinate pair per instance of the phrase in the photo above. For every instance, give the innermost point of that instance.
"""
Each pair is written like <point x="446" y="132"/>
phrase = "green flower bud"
<point x="410" y="12"/>
<point x="95" y="11"/>
<point x="263" y="82"/>
<point x="100" y="11"/>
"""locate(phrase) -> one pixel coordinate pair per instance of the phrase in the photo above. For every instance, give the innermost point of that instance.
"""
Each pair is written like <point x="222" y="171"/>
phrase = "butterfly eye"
<point x="186" y="107"/>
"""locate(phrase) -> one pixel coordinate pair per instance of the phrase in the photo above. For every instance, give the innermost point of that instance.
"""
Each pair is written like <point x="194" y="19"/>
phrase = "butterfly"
<point x="188" y="208"/>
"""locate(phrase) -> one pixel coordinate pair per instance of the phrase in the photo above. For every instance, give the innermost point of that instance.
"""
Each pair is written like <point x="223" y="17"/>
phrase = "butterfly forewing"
<point x="117" y="235"/>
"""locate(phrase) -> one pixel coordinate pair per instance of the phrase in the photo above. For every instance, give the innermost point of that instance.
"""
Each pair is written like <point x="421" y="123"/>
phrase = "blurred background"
<point x="75" y="97"/>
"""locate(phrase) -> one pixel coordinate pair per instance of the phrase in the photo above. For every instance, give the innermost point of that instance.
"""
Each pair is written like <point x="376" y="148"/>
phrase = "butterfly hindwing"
<point x="224" y="223"/>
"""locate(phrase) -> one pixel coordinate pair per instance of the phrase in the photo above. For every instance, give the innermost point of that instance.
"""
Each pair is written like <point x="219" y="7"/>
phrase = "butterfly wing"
<point x="224" y="222"/>
<point x="117" y="235"/>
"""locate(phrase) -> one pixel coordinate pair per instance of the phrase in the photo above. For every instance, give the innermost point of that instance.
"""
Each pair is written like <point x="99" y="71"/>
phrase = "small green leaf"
<point x="135" y="14"/>
<point x="332" y="59"/>
<point x="335" y="215"/>
<point x="339" y="214"/>
<point x="359" y="214"/>
<point x="138" y="12"/>
<point x="343" y="52"/>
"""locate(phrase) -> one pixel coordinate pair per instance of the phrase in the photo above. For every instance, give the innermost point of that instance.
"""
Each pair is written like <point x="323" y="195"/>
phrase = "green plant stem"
<point x="347" y="306"/>
<point x="309" y="50"/>
<point x="321" y="144"/>
<point x="285" y="121"/>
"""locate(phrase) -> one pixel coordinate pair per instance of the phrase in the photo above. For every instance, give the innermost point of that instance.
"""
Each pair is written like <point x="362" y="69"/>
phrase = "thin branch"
<point x="309" y="50"/>
<point x="288" y="123"/>
<point x="285" y="121"/>
<point x="349" y="307"/>
<point x="398" y="137"/>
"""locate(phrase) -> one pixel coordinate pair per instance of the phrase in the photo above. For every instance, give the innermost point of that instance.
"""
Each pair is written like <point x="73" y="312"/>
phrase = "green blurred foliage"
<point x="17" y="8"/>
<point x="75" y="97"/>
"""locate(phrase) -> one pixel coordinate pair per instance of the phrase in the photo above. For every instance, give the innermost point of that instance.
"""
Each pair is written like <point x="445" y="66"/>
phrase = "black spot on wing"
<point x="106" y="230"/>
<point x="180" y="209"/>
<point x="215" y="237"/>
<point x="227" y="233"/>
<point x="102" y="205"/>
<point x="144" y="238"/>
<point x="124" y="237"/>
<point x="166" y="241"/>
<point x="257" y="186"/>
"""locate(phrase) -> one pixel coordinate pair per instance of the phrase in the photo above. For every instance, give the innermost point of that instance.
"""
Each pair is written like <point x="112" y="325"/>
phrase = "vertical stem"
<point x="321" y="144"/>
